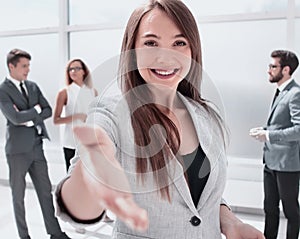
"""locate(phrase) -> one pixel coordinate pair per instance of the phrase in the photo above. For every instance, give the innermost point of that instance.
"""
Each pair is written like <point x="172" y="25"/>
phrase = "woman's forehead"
<point x="157" y="22"/>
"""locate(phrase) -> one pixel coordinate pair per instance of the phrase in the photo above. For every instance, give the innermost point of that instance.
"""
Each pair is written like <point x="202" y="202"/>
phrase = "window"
<point x="217" y="7"/>
<point x="100" y="51"/>
<point x="297" y="47"/>
<point x="298" y="4"/>
<point x="19" y="14"/>
<point x="94" y="11"/>
<point x="235" y="51"/>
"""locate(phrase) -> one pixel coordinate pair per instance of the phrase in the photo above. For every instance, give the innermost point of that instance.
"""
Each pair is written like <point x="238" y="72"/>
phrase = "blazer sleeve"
<point x="12" y="114"/>
<point x="45" y="106"/>
<point x="61" y="209"/>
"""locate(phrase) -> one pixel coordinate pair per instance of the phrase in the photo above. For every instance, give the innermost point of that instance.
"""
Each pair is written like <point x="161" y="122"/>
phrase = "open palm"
<point x="105" y="178"/>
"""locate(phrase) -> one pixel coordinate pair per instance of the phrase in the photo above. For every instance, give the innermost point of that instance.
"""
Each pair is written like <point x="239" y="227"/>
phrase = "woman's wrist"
<point x="228" y="220"/>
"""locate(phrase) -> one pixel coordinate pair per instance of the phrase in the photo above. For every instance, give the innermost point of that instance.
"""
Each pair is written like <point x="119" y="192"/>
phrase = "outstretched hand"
<point x="105" y="178"/>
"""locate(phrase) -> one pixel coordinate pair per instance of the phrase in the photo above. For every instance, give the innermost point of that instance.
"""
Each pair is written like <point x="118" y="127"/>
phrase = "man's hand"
<point x="259" y="133"/>
<point x="38" y="108"/>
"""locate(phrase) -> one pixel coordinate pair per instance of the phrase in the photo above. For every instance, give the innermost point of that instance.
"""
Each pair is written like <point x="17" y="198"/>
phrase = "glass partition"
<point x="236" y="57"/>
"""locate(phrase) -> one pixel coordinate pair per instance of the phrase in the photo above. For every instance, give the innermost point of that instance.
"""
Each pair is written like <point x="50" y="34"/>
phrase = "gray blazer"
<point x="167" y="220"/>
<point x="19" y="138"/>
<point x="282" y="151"/>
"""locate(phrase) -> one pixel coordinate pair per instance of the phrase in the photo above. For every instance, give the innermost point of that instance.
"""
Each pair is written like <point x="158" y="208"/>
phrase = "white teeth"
<point x="164" y="73"/>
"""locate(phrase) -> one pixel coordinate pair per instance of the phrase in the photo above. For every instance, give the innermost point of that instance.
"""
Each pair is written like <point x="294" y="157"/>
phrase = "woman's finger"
<point x="129" y="212"/>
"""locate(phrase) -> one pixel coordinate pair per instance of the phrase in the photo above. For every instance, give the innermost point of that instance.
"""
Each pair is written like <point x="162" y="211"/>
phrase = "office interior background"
<point x="237" y="39"/>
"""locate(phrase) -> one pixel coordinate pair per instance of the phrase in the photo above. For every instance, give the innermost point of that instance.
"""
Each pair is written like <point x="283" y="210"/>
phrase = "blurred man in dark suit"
<point x="25" y="109"/>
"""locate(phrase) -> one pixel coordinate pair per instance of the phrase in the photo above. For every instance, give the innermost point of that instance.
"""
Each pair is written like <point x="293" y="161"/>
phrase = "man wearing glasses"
<point x="25" y="109"/>
<point x="281" y="150"/>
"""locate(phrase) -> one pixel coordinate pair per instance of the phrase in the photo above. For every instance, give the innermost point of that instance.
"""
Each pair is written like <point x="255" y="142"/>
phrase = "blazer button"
<point x="195" y="221"/>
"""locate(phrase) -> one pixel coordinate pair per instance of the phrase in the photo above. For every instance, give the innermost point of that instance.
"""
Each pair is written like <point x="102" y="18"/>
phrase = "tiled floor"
<point x="102" y="230"/>
<point x="244" y="196"/>
<point x="34" y="219"/>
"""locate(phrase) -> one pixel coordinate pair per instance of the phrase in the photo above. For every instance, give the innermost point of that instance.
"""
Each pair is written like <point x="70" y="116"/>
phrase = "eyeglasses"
<point x="271" y="66"/>
<point x="74" y="69"/>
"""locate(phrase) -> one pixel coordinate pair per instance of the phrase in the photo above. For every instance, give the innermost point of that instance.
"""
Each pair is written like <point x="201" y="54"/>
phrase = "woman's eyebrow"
<point x="147" y="35"/>
<point x="155" y="36"/>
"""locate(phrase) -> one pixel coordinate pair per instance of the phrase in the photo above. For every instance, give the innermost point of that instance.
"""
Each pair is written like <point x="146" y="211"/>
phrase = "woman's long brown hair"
<point x="146" y="115"/>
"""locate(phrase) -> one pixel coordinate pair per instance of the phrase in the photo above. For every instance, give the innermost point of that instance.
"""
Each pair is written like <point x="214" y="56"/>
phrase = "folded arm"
<point x="46" y="110"/>
<point x="10" y="111"/>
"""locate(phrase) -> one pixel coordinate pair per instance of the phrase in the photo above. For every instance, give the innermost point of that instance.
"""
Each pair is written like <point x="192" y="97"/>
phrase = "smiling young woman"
<point x="155" y="156"/>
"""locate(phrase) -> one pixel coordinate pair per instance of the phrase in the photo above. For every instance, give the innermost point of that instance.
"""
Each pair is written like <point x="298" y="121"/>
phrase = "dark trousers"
<point x="69" y="154"/>
<point x="35" y="164"/>
<point x="282" y="186"/>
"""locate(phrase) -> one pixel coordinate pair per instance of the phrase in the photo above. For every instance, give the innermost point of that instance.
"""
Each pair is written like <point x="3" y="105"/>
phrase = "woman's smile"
<point x="164" y="74"/>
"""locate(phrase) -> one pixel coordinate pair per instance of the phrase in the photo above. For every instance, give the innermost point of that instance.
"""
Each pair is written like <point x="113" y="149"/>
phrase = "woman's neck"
<point x="165" y="98"/>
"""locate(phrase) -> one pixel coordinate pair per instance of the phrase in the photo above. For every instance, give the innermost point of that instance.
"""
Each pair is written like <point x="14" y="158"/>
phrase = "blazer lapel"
<point x="183" y="188"/>
<point x="14" y="91"/>
<point x="29" y="92"/>
<point x="279" y="98"/>
<point x="207" y="137"/>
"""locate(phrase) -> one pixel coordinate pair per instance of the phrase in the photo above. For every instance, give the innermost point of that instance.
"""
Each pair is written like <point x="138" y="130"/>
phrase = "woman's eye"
<point x="180" y="43"/>
<point x="150" y="43"/>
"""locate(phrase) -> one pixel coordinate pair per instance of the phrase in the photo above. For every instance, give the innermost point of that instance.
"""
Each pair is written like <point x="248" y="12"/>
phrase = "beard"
<point x="276" y="78"/>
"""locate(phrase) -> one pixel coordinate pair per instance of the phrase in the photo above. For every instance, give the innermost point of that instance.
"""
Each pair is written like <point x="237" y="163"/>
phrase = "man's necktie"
<point x="23" y="91"/>
<point x="276" y="95"/>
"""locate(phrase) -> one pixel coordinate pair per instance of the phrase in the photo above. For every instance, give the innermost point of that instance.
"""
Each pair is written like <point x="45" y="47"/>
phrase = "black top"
<point x="197" y="168"/>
